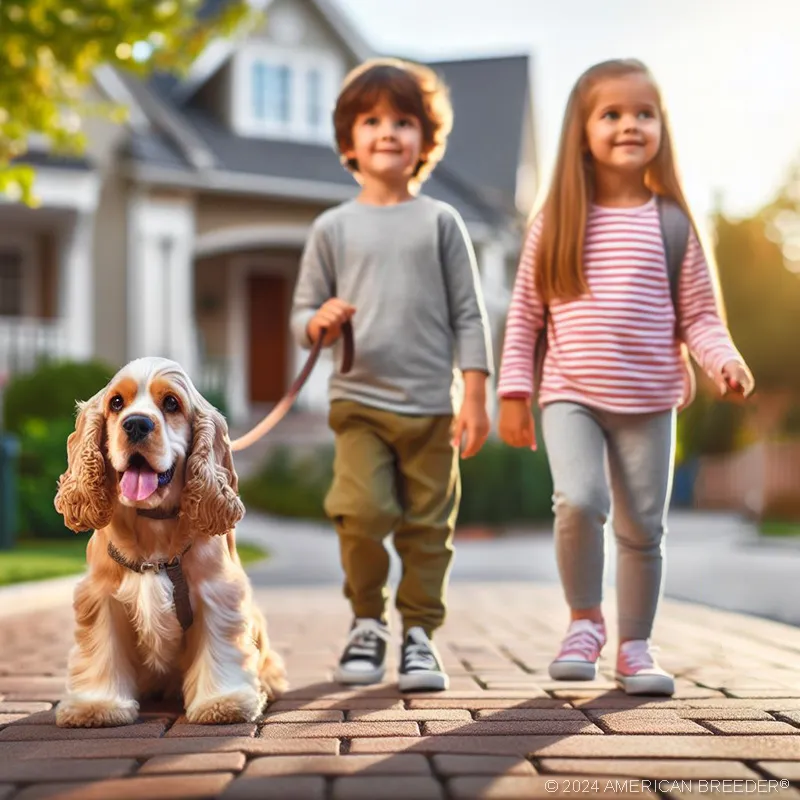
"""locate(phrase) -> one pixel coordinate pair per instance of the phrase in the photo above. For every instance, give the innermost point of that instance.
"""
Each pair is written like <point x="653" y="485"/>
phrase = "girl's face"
<point x="387" y="144"/>
<point x="623" y="130"/>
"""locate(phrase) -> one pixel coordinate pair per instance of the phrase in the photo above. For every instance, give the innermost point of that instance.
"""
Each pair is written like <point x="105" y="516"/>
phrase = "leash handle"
<point x="286" y="402"/>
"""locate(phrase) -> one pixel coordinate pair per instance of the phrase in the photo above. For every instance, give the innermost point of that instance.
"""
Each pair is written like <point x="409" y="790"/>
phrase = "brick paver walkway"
<point x="504" y="730"/>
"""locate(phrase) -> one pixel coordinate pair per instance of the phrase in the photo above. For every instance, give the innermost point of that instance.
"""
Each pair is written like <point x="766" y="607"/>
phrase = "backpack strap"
<point x="539" y="353"/>
<point x="675" y="227"/>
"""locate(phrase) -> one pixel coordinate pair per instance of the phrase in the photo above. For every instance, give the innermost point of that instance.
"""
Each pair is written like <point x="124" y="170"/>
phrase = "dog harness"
<point x="172" y="566"/>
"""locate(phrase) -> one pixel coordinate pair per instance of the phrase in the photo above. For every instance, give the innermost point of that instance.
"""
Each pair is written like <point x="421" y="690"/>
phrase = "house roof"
<point x="490" y="100"/>
<point x="218" y="53"/>
<point x="478" y="174"/>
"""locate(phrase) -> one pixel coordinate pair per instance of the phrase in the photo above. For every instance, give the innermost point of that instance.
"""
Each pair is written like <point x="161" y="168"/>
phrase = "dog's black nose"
<point x="138" y="427"/>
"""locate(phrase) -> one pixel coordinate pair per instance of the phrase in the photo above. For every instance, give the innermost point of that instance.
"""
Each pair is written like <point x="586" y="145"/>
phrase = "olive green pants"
<point x="394" y="472"/>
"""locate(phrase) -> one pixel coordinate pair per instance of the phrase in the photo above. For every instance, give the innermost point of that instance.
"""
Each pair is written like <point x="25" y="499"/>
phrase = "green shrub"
<point x="505" y="485"/>
<point x="43" y="457"/>
<point x="291" y="486"/>
<point x="217" y="399"/>
<point x="710" y="427"/>
<point x="51" y="391"/>
<point x="791" y="423"/>
<point x="500" y="485"/>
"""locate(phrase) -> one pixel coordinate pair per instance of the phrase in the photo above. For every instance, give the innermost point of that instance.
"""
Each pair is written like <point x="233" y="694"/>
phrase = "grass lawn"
<point x="779" y="528"/>
<point x="37" y="560"/>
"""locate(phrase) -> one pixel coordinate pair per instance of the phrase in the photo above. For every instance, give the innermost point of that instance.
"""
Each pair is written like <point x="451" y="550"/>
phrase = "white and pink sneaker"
<point x="639" y="673"/>
<point x="577" y="659"/>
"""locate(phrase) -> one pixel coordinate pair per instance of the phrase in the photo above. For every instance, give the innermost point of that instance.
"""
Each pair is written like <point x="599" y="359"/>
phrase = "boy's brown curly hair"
<point x="410" y="88"/>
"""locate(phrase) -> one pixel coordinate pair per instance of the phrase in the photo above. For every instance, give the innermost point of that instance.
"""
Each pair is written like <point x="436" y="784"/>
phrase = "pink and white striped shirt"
<point x="615" y="348"/>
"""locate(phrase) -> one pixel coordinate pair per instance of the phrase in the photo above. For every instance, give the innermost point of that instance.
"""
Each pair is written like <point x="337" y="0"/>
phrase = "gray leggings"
<point x="589" y="450"/>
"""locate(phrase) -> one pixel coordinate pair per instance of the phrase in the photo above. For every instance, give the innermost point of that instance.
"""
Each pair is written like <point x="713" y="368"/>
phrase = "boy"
<point x="402" y="266"/>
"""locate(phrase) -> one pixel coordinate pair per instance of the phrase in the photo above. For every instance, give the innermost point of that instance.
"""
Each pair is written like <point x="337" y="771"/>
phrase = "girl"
<point x="593" y="276"/>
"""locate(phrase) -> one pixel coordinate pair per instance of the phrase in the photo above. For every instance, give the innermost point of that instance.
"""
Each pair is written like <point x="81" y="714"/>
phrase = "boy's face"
<point x="387" y="144"/>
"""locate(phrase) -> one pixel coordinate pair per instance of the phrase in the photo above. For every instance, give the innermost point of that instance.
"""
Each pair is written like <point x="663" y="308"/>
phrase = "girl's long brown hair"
<point x="559" y="270"/>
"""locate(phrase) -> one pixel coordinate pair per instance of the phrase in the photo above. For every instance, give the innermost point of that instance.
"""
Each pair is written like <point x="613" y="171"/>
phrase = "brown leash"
<point x="286" y="402"/>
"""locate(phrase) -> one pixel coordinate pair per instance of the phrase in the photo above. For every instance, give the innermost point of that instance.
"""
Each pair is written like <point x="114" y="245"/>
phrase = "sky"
<point x="729" y="71"/>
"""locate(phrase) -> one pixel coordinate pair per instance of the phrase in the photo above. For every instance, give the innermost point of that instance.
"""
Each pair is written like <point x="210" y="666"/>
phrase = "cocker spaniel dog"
<point x="165" y="605"/>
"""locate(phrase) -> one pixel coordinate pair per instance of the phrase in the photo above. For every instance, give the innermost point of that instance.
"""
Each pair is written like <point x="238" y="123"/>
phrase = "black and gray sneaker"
<point x="364" y="658"/>
<point x="420" y="664"/>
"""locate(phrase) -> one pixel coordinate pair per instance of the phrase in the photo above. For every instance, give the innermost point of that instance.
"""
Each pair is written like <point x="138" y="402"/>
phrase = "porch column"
<point x="237" y="385"/>
<point x="496" y="296"/>
<point x="77" y="296"/>
<point x="161" y="320"/>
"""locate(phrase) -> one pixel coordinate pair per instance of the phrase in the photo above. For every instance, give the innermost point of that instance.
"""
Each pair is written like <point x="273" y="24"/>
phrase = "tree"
<point x="762" y="299"/>
<point x="761" y="290"/>
<point x="51" y="48"/>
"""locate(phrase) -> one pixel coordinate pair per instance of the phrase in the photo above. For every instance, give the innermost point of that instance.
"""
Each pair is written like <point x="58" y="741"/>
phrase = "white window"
<point x="285" y="93"/>
<point x="272" y="99"/>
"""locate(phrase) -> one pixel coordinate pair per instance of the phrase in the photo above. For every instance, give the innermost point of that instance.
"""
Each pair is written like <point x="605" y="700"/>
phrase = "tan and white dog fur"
<point x="128" y="641"/>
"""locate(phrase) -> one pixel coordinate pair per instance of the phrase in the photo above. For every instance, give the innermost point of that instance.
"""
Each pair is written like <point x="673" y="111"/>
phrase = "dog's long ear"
<point x="85" y="497"/>
<point x="210" y="501"/>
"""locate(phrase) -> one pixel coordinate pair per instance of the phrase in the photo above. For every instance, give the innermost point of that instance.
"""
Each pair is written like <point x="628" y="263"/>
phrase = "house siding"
<point x="215" y="212"/>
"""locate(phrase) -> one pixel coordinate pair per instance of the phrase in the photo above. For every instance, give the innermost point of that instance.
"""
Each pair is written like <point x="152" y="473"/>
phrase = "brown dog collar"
<point x="172" y="566"/>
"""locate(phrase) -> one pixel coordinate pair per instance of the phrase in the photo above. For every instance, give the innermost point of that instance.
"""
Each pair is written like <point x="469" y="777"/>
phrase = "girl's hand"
<point x="736" y="377"/>
<point x="515" y="423"/>
<point x="332" y="314"/>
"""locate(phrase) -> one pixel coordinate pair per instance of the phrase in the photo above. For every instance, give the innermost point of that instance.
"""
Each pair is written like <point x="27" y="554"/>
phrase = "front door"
<point x="268" y="308"/>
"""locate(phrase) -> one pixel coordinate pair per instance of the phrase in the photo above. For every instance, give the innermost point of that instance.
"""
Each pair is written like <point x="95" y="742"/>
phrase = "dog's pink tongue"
<point x="138" y="484"/>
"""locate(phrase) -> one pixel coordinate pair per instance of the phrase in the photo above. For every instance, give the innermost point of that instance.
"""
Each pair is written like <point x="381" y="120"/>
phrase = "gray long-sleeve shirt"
<point x="410" y="271"/>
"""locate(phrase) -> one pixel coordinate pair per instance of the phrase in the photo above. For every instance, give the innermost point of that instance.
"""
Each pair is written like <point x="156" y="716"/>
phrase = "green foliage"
<point x="217" y="399"/>
<point x="51" y="48"/>
<point x="505" y="485"/>
<point x="40" y="409"/>
<point x="36" y="560"/>
<point x="762" y="298"/>
<point x="51" y="391"/>
<point x="39" y="560"/>
<point x="291" y="486"/>
<point x="500" y="485"/>
<point x="42" y="459"/>
<point x="791" y="423"/>
<point x="773" y="527"/>
<point x="710" y="426"/>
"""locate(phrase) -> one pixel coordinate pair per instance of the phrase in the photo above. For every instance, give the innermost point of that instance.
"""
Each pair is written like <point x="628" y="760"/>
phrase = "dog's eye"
<point x="171" y="405"/>
<point x="116" y="403"/>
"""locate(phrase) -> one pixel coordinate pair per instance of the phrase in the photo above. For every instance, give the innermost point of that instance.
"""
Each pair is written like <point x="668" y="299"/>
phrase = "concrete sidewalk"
<point x="504" y="730"/>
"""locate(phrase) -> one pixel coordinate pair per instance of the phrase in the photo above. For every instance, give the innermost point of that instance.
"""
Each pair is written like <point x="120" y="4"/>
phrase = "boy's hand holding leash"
<point x="515" y="423"/>
<point x="737" y="378"/>
<point x="331" y="315"/>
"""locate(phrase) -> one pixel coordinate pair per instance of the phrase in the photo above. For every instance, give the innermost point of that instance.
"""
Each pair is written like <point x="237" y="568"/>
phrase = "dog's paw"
<point x="242" y="706"/>
<point x="77" y="712"/>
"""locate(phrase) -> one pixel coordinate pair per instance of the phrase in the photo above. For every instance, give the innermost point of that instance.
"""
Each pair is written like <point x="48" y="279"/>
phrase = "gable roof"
<point x="221" y="50"/>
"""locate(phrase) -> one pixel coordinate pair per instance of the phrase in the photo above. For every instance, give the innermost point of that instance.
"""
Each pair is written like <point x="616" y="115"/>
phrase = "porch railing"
<point x="27" y="341"/>
<point x="212" y="379"/>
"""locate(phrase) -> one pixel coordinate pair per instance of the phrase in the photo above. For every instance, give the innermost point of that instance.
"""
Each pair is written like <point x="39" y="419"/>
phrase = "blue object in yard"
<point x="683" y="484"/>
<point x="9" y="452"/>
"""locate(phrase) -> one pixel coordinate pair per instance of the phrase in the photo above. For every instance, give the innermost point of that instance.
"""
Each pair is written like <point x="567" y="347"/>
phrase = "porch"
<point x="46" y="288"/>
<point x="246" y="354"/>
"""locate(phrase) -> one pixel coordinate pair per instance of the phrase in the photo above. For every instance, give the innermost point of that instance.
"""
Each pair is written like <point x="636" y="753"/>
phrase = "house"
<point x="179" y="232"/>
